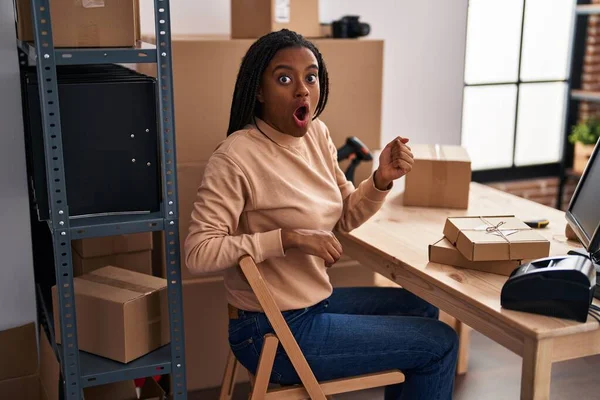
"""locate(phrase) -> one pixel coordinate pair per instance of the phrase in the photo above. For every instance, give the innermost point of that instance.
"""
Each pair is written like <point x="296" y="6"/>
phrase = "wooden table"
<point x="394" y="244"/>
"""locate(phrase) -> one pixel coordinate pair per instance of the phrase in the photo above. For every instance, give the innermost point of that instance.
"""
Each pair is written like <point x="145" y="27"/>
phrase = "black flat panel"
<point x="110" y="143"/>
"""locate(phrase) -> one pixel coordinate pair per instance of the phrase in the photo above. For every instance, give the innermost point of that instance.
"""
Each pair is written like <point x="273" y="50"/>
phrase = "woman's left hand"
<point x="395" y="161"/>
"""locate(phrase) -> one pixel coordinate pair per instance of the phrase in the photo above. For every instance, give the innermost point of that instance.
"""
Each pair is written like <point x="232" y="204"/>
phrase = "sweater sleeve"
<point x="360" y="203"/>
<point x="212" y="244"/>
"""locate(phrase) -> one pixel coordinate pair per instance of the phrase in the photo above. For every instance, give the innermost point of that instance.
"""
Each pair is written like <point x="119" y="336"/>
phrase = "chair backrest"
<point x="281" y="328"/>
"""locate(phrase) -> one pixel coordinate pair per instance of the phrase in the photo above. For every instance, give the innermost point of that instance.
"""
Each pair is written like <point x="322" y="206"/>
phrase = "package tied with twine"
<point x="494" y="238"/>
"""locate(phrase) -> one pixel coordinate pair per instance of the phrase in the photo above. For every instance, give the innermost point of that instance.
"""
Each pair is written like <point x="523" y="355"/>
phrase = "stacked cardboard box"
<point x="23" y="378"/>
<point x="441" y="177"/>
<point x="495" y="244"/>
<point x="255" y="18"/>
<point x="121" y="314"/>
<point x="19" y="377"/>
<point x="87" y="23"/>
<point x="132" y="252"/>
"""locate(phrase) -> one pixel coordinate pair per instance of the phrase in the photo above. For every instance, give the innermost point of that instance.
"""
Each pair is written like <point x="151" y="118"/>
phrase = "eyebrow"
<point x="283" y="66"/>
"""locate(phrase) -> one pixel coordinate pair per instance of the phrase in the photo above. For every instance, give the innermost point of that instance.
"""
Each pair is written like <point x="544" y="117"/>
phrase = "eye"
<point x="312" y="78"/>
<point x="284" y="79"/>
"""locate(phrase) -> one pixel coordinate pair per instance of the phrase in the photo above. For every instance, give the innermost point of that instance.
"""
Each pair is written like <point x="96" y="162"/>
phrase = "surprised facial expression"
<point x="289" y="90"/>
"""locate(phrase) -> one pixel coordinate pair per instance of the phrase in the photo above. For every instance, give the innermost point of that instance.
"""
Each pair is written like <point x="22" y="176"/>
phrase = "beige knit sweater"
<point x="259" y="181"/>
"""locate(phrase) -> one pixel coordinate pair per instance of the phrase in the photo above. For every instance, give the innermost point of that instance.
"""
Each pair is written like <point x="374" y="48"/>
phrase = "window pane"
<point x="493" y="40"/>
<point x="540" y="124"/>
<point x="546" y="39"/>
<point x="488" y="125"/>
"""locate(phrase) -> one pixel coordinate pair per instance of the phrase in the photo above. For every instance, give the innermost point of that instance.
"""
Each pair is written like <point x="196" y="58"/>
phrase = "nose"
<point x="301" y="90"/>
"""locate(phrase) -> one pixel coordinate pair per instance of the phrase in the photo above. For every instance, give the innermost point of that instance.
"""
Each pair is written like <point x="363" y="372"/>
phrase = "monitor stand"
<point x="584" y="253"/>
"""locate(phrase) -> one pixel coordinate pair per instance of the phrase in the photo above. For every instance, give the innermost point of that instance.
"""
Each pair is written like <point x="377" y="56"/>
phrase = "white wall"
<point x="423" y="63"/>
<point x="424" y="56"/>
<point x="17" y="299"/>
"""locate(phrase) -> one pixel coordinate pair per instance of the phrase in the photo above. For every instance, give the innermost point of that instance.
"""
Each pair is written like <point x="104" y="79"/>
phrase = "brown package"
<point x="16" y="346"/>
<point x="140" y="261"/>
<point x="121" y="315"/>
<point x="19" y="377"/>
<point x="495" y="238"/>
<point x="252" y="19"/>
<point x="110" y="23"/>
<point x="441" y="177"/>
<point x="443" y="252"/>
<point x="22" y="388"/>
<point x="107" y="245"/>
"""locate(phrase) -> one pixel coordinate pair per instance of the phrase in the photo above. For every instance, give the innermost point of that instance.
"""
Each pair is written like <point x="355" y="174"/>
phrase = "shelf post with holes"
<point x="80" y="369"/>
<point x="170" y="204"/>
<point x="68" y="354"/>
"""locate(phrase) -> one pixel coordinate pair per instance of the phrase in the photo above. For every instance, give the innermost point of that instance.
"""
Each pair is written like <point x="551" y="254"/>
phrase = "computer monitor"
<point x="583" y="213"/>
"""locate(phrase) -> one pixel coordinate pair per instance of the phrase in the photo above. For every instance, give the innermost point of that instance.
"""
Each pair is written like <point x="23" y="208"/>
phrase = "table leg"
<point x="537" y="368"/>
<point x="464" y="339"/>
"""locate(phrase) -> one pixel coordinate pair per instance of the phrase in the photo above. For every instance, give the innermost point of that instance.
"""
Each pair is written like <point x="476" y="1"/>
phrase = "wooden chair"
<point x="310" y="387"/>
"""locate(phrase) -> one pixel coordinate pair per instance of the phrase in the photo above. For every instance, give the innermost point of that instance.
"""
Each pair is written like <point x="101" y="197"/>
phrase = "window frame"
<point x="573" y="79"/>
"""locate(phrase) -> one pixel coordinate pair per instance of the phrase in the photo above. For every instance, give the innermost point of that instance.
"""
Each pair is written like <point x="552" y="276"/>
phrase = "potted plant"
<point x="584" y="136"/>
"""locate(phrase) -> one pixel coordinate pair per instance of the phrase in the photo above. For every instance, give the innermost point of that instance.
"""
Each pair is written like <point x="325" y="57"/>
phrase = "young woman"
<point x="273" y="189"/>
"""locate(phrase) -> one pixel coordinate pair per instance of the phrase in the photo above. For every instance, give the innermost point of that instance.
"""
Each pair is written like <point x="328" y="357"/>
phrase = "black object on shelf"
<point x="110" y="141"/>
<point x="349" y="27"/>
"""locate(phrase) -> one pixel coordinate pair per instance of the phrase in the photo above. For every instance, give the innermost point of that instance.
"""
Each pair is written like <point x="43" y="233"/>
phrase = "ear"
<point x="259" y="95"/>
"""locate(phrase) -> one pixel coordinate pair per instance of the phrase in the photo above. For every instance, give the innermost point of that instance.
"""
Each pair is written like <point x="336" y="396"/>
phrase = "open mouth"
<point x="301" y="116"/>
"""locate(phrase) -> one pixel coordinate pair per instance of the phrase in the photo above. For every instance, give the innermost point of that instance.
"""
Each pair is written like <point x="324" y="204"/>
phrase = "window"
<point x="516" y="72"/>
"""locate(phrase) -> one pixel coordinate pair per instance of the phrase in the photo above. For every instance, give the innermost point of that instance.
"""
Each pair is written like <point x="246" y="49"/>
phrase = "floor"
<point x="494" y="374"/>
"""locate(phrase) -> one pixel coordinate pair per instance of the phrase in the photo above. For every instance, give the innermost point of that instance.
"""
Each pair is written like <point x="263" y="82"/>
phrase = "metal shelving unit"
<point x="80" y="369"/>
<point x="581" y="11"/>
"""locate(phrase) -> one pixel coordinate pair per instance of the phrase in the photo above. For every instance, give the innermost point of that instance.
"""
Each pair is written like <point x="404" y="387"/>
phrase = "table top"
<point x="402" y="235"/>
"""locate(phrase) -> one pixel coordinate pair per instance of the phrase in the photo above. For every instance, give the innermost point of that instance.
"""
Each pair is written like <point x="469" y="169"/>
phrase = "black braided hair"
<point x="244" y="105"/>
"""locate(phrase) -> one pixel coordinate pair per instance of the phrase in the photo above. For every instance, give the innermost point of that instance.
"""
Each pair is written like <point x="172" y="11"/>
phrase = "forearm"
<point x="362" y="203"/>
<point x="212" y="251"/>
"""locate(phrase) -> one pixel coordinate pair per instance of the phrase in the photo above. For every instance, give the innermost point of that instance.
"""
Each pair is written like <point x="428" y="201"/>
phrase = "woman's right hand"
<point x="318" y="243"/>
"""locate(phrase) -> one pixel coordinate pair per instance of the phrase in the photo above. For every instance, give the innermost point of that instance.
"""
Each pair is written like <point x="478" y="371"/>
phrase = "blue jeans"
<point x="359" y="331"/>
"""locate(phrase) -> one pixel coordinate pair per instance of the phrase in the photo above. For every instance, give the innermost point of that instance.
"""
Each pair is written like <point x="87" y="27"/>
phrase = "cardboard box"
<point x="441" y="177"/>
<point x="107" y="245"/>
<point x="206" y="297"/>
<point x="32" y="381"/>
<point x="121" y="315"/>
<point x="22" y="388"/>
<point x="194" y="58"/>
<point x="85" y="23"/>
<point x="494" y="238"/>
<point x="49" y="368"/>
<point x="443" y="252"/>
<point x="255" y="18"/>
<point x="19" y="378"/>
<point x="140" y="261"/>
<point x="16" y="356"/>
<point x="125" y="390"/>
